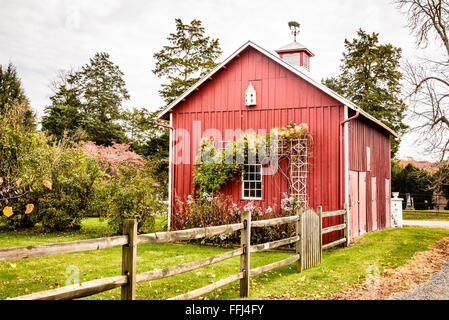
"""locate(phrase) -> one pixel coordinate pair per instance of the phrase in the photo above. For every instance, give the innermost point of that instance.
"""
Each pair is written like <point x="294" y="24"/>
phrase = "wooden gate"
<point x="311" y="239"/>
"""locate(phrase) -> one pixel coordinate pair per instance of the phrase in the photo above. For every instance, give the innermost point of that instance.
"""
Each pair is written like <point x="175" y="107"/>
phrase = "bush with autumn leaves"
<point x="57" y="184"/>
<point x="45" y="182"/>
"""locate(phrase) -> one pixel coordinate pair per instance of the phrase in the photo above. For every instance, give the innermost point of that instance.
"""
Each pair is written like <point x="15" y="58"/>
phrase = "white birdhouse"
<point x="250" y="96"/>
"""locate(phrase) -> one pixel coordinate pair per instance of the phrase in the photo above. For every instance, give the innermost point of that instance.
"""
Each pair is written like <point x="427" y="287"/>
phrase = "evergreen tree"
<point x="63" y="116"/>
<point x="370" y="78"/>
<point x="12" y="95"/>
<point x="89" y="99"/>
<point x="189" y="56"/>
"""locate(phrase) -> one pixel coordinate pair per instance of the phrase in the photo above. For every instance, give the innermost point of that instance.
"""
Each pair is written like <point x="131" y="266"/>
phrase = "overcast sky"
<point x="41" y="37"/>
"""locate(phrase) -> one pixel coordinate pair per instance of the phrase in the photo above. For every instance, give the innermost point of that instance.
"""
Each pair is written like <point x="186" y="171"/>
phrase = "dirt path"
<point x="425" y="277"/>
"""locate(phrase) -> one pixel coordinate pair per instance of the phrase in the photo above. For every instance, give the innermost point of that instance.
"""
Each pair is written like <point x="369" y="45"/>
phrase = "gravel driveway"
<point x="437" y="288"/>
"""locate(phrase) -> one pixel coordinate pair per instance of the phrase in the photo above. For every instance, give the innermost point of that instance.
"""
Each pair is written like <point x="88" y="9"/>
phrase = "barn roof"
<point x="286" y="65"/>
<point x="294" y="46"/>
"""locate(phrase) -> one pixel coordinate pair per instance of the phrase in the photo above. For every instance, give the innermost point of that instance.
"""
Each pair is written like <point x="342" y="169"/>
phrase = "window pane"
<point x="252" y="181"/>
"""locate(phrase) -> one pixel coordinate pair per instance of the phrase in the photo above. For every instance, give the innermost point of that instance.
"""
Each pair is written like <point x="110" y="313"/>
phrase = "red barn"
<point x="351" y="149"/>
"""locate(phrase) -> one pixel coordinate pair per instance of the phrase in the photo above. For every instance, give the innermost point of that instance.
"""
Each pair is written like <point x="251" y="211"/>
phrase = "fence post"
<point x="346" y="221"/>
<point x="298" y="245"/>
<point x="319" y="210"/>
<point x="129" y="253"/>
<point x="245" y="242"/>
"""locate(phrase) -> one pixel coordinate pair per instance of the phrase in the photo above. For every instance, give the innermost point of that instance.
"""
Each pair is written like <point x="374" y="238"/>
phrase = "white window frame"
<point x="261" y="183"/>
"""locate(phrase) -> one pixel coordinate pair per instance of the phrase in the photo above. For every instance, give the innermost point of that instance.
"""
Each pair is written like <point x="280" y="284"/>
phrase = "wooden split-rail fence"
<point x="307" y="240"/>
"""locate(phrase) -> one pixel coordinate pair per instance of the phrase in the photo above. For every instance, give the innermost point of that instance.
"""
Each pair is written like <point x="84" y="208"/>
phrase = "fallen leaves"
<point x="29" y="208"/>
<point x="7" y="211"/>
<point x="418" y="270"/>
<point x="47" y="184"/>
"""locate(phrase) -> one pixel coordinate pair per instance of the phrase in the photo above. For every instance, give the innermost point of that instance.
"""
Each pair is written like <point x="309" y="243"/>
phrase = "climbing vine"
<point x="218" y="166"/>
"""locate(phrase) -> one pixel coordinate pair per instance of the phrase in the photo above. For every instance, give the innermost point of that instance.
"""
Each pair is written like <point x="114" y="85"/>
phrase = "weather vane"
<point x="294" y="27"/>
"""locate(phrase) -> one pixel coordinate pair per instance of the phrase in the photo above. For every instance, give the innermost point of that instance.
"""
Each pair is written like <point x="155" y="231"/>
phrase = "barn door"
<point x="354" y="203"/>
<point x="362" y="203"/>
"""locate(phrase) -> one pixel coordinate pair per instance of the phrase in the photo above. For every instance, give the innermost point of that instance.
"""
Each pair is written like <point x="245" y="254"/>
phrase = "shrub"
<point x="41" y="181"/>
<point x="73" y="174"/>
<point x="212" y="210"/>
<point x="22" y="163"/>
<point x="130" y="196"/>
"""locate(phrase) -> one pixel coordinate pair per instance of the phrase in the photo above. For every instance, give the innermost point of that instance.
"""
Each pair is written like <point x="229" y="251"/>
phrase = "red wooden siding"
<point x="282" y="97"/>
<point x="372" y="212"/>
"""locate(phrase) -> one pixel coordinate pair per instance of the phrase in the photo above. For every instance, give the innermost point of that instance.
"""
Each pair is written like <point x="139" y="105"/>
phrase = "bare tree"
<point x="427" y="19"/>
<point x="428" y="80"/>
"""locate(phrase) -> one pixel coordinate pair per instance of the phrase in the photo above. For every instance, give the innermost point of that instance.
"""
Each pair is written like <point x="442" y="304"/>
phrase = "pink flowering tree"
<point x="112" y="157"/>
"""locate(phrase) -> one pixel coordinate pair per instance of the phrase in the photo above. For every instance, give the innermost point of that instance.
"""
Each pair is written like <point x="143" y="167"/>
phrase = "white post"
<point x="396" y="211"/>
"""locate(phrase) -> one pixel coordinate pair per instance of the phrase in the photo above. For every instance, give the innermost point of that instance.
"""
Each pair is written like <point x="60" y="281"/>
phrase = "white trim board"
<point x="170" y="174"/>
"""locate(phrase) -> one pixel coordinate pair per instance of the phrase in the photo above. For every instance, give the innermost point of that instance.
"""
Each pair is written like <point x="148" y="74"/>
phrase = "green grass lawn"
<point x="341" y="266"/>
<point x="426" y="215"/>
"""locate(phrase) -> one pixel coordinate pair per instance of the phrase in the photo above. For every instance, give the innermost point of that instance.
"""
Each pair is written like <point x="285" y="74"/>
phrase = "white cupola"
<point x="295" y="53"/>
<point x="250" y="95"/>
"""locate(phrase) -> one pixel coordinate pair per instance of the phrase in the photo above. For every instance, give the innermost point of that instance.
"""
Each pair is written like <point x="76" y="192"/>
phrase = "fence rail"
<point x="62" y="247"/>
<point x="307" y="240"/>
<point x="129" y="241"/>
<point x="342" y="226"/>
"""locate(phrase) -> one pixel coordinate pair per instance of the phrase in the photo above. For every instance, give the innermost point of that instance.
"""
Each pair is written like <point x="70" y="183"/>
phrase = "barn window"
<point x="306" y="61"/>
<point x="292" y="58"/>
<point x="252" y="182"/>
<point x="368" y="159"/>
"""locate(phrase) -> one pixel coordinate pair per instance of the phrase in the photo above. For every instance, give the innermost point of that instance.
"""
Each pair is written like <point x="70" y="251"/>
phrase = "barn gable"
<point x="225" y="91"/>
<point x="248" y="70"/>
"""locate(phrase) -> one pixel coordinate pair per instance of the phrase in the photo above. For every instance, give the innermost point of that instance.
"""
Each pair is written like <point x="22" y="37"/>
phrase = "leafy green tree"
<point x="370" y="78"/>
<point x="139" y="125"/>
<point x="189" y="56"/>
<point x="89" y="99"/>
<point x="150" y="141"/>
<point x="12" y="95"/>
<point x="417" y="182"/>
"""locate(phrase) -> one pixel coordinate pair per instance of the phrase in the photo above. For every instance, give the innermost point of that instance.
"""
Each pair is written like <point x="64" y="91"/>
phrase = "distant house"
<point x="350" y="160"/>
